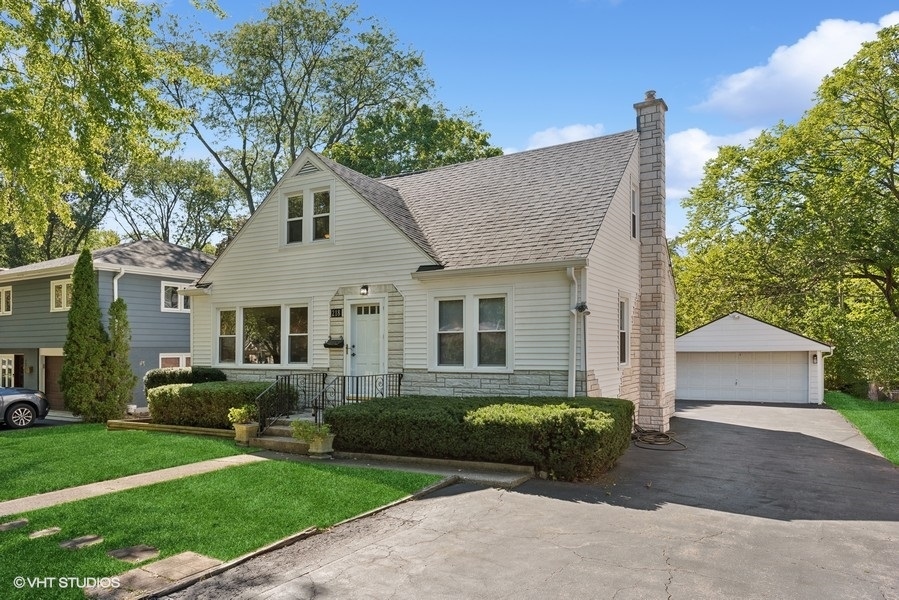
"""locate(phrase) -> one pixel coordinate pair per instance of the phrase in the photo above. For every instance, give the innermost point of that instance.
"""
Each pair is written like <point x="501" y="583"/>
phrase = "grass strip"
<point x="223" y="514"/>
<point x="877" y="421"/>
<point x="45" y="459"/>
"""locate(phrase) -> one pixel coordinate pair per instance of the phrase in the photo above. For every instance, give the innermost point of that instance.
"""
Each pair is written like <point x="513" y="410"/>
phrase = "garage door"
<point x="743" y="376"/>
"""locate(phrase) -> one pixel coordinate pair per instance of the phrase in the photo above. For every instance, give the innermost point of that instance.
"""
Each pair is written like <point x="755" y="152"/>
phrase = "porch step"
<point x="280" y="444"/>
<point x="278" y="431"/>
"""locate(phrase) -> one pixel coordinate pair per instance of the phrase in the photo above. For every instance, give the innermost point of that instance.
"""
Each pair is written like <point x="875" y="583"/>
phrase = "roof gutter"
<point x="552" y="265"/>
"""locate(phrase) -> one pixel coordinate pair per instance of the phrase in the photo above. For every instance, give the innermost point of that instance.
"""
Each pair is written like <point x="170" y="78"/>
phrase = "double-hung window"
<point x="623" y="335"/>
<point x="308" y="215"/>
<point x="6" y="300"/>
<point x="471" y="332"/>
<point x="60" y="295"/>
<point x="635" y="214"/>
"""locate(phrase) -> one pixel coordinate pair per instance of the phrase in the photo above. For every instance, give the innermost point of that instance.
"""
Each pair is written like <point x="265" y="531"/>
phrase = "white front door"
<point x="365" y="340"/>
<point x="7" y="370"/>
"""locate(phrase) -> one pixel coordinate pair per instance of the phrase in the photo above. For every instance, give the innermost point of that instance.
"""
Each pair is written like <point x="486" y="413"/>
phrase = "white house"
<point x="740" y="359"/>
<point x="543" y="272"/>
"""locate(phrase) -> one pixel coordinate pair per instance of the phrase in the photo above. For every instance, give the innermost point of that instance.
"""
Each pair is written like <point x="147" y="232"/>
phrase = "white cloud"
<point x="784" y="87"/>
<point x="561" y="135"/>
<point x="687" y="152"/>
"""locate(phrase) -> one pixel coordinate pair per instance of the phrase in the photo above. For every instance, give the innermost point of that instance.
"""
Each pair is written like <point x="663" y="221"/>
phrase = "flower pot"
<point x="321" y="447"/>
<point x="244" y="432"/>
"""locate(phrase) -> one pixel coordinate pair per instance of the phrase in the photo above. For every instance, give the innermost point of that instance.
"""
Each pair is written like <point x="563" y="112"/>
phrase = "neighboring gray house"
<point x="543" y="272"/>
<point x="147" y="274"/>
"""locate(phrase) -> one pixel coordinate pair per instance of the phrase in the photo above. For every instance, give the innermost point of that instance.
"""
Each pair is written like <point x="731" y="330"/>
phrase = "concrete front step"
<point x="280" y="444"/>
<point x="278" y="431"/>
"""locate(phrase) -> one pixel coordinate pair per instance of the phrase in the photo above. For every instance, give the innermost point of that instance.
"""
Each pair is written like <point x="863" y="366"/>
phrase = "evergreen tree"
<point x="86" y="345"/>
<point x="120" y="379"/>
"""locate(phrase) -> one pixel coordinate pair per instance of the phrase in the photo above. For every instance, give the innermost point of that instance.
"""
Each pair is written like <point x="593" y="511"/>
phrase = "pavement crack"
<point x="670" y="572"/>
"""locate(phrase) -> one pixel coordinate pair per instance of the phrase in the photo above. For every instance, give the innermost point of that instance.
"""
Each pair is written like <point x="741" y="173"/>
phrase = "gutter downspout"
<point x="115" y="283"/>
<point x="572" y="350"/>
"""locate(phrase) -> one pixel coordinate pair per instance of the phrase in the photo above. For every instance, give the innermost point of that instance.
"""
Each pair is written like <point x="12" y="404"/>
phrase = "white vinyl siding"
<point x="613" y="274"/>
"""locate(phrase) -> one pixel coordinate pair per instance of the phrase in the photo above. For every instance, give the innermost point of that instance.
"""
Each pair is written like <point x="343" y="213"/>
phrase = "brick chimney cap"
<point x="650" y="94"/>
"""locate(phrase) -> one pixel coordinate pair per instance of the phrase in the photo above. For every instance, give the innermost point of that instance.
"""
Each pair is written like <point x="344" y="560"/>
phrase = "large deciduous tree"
<point x="302" y="76"/>
<point x="176" y="200"/>
<point x="402" y="138"/>
<point x="75" y="79"/>
<point x="805" y="218"/>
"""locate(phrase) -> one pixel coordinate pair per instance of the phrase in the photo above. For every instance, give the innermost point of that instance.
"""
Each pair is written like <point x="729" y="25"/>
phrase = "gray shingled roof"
<point x="142" y="254"/>
<point x="535" y="206"/>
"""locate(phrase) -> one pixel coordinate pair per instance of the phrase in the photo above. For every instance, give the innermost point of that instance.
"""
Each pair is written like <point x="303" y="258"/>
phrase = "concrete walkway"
<point x="91" y="490"/>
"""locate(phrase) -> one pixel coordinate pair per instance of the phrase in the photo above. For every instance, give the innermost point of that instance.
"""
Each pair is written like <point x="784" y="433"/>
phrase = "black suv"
<point x="21" y="407"/>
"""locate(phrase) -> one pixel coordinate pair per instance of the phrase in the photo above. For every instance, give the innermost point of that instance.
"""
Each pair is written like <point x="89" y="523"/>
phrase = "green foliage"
<point x="403" y="138"/>
<point x="242" y="414"/>
<point x="117" y="375"/>
<point x="299" y="77"/>
<point x="176" y="200"/>
<point x="878" y="421"/>
<point x="202" y="404"/>
<point x="799" y="227"/>
<point x="569" y="438"/>
<point x="308" y="431"/>
<point x="86" y="347"/>
<point x="83" y="89"/>
<point x="157" y="377"/>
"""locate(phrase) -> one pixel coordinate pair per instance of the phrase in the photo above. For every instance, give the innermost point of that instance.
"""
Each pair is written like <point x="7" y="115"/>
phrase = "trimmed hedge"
<point x="201" y="404"/>
<point x="568" y="438"/>
<point x="157" y="377"/>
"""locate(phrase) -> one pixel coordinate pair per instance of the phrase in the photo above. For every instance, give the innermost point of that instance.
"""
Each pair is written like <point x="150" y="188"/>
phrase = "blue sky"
<point x="544" y="72"/>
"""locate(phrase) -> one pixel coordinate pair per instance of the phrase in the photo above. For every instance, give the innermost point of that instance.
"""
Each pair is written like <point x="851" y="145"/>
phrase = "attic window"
<point x="294" y="219"/>
<point x="321" y="215"/>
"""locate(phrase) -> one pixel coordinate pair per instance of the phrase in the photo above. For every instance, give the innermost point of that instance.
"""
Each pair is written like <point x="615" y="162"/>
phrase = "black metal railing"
<point x="344" y="389"/>
<point x="288" y="394"/>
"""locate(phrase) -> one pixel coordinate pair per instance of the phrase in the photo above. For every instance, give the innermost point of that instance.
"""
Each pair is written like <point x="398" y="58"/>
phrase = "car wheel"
<point x="20" y="415"/>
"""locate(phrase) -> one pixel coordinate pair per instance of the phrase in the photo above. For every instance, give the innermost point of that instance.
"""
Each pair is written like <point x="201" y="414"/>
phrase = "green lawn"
<point x="222" y="514"/>
<point x="45" y="459"/>
<point x="878" y="421"/>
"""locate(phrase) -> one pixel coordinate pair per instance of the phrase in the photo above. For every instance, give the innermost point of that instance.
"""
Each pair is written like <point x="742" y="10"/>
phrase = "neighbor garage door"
<point x="743" y="376"/>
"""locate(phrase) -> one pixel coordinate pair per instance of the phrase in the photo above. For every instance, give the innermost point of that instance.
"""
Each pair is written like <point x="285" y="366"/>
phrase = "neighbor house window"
<point x="298" y="335"/>
<point x="321" y="215"/>
<point x="451" y="332"/>
<point x="492" y="332"/>
<point x="472" y="332"/>
<point x="60" y="295"/>
<point x="623" y="337"/>
<point x="635" y="213"/>
<point x="171" y="300"/>
<point x="227" y="336"/>
<point x="6" y="301"/>
<point x="294" y="219"/>
<point x="171" y="361"/>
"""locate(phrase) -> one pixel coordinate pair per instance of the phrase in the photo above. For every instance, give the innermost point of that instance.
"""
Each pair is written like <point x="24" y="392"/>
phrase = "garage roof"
<point x="737" y="332"/>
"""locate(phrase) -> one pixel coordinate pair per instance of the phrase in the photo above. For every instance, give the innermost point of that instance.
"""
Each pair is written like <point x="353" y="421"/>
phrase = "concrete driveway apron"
<point x="765" y="502"/>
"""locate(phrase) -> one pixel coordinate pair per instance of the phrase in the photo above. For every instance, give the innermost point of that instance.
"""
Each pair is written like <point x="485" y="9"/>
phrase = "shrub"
<point x="201" y="404"/>
<point x="568" y="438"/>
<point x="157" y="377"/>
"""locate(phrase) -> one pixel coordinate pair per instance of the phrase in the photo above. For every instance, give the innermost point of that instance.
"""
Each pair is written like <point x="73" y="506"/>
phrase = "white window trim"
<point x="239" y="341"/>
<point x="308" y="194"/>
<point x="53" y="285"/>
<point x="4" y="309"/>
<point x="181" y="356"/>
<point x="635" y="214"/>
<point x="470" y="330"/>
<point x="626" y="302"/>
<point x="181" y="299"/>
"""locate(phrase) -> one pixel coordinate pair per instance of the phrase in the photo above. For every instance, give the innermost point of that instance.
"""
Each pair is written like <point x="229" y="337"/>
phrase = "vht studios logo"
<point x="65" y="582"/>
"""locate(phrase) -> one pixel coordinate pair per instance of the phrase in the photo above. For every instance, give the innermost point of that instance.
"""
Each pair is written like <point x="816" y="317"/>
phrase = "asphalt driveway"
<point x="765" y="502"/>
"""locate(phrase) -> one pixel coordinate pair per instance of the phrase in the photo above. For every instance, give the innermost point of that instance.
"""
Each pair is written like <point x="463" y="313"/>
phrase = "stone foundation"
<point x="519" y="383"/>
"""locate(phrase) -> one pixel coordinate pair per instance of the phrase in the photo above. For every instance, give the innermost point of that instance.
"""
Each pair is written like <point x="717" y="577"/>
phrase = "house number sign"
<point x="336" y="313"/>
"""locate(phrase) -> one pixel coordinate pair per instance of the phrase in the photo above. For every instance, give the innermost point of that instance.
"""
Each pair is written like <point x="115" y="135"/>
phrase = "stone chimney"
<point x="656" y="405"/>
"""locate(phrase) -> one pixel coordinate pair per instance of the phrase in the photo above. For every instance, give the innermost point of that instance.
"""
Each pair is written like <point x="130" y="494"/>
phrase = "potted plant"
<point x="318" y="437"/>
<point x="243" y="419"/>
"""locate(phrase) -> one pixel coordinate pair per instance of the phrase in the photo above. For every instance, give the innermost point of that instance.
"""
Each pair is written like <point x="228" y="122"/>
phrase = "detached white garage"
<point x="740" y="359"/>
